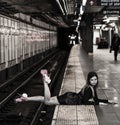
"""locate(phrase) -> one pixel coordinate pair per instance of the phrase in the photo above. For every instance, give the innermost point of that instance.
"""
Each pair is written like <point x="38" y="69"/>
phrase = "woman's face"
<point x="93" y="81"/>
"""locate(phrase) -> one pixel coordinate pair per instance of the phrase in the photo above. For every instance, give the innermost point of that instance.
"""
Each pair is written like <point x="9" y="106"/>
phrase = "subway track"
<point x="30" y="82"/>
<point x="12" y="85"/>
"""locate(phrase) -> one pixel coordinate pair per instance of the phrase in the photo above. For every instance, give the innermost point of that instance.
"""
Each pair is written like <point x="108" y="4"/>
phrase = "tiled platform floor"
<point x="109" y="87"/>
<point x="75" y="115"/>
<point x="109" y="82"/>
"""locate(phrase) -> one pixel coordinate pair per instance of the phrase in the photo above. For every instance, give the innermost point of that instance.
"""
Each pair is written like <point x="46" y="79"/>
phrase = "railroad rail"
<point x="30" y="82"/>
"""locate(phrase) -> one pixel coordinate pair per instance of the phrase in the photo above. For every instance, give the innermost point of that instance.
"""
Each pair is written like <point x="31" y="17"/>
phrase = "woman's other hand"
<point x="112" y="102"/>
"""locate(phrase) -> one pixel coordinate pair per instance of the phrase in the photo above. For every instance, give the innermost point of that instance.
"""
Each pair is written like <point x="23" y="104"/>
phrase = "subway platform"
<point x="108" y="70"/>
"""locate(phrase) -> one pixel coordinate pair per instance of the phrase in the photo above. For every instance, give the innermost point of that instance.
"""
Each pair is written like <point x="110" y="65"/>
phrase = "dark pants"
<point x="116" y="51"/>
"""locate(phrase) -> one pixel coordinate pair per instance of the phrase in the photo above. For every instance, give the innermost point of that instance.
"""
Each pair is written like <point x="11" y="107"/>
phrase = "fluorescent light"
<point x="84" y="2"/>
<point x="65" y="6"/>
<point x="60" y="7"/>
<point x="81" y="10"/>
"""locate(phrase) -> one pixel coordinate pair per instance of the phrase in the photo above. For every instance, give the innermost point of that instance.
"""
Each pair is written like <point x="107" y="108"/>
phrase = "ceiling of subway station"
<point x="44" y="9"/>
<point x="50" y="10"/>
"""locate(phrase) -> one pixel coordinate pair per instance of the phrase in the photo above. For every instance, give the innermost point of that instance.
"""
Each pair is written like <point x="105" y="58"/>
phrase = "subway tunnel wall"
<point x="23" y="43"/>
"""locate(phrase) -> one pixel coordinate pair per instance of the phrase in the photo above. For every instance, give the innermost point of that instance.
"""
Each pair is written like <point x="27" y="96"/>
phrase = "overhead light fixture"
<point x="106" y="20"/>
<point x="112" y="24"/>
<point x="79" y="18"/>
<point x="65" y="6"/>
<point x="84" y="2"/>
<point x="115" y="18"/>
<point x="75" y="21"/>
<point x="81" y="10"/>
<point x="105" y="17"/>
<point x="60" y="7"/>
<point x="91" y="3"/>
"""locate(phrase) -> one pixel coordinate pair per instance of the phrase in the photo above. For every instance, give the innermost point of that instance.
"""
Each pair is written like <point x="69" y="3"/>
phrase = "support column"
<point x="86" y="31"/>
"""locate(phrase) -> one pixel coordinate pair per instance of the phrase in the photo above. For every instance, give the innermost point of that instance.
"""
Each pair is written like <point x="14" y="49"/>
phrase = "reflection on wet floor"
<point x="109" y="82"/>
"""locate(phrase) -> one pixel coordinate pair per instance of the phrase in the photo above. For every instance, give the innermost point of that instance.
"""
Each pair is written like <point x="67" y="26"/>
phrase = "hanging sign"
<point x="109" y="2"/>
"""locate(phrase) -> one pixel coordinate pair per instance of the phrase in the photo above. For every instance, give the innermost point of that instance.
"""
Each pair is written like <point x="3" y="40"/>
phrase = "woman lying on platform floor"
<point x="88" y="92"/>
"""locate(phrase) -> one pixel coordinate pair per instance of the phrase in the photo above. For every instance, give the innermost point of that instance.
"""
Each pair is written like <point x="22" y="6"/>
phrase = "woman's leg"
<point x="115" y="54"/>
<point x="47" y="96"/>
<point x="47" y="99"/>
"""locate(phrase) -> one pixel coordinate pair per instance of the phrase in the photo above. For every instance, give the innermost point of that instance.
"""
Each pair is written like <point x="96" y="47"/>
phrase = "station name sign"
<point x="109" y="2"/>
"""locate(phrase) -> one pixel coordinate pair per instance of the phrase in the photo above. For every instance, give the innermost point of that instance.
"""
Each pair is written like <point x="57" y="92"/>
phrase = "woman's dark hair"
<point x="115" y="36"/>
<point x="90" y="75"/>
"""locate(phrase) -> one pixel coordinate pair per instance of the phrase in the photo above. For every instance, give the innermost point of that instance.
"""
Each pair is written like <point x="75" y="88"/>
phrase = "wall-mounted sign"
<point x="111" y="12"/>
<point x="109" y="2"/>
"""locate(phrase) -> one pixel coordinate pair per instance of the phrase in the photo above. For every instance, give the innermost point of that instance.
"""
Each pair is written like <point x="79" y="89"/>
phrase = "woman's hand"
<point x="111" y="102"/>
<point x="102" y="103"/>
<point x="23" y="98"/>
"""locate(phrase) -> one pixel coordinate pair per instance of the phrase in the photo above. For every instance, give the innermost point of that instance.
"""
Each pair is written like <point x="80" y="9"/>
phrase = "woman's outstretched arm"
<point x="101" y="101"/>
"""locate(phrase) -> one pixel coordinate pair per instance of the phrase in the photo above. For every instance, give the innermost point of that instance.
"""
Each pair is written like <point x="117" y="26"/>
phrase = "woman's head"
<point x="116" y="35"/>
<point x="92" y="79"/>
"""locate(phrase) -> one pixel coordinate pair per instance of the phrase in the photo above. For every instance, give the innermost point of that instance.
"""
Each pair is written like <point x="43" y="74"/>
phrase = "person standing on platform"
<point x="115" y="45"/>
<point x="72" y="39"/>
<point x="88" y="92"/>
